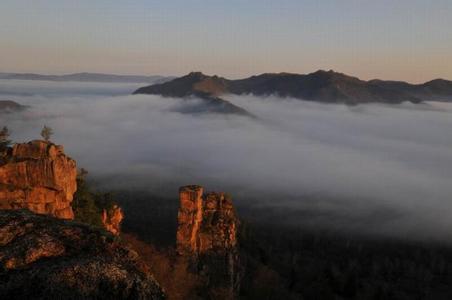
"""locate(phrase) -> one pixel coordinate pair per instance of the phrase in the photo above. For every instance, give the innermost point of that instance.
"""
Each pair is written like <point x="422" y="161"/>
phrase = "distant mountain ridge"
<point x="197" y="85"/>
<point x="87" y="77"/>
<point x="321" y="86"/>
<point x="11" y="106"/>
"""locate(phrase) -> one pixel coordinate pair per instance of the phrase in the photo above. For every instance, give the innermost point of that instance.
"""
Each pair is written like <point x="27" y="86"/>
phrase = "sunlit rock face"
<point x="207" y="235"/>
<point x="207" y="223"/>
<point x="42" y="257"/>
<point x="40" y="177"/>
<point x="112" y="218"/>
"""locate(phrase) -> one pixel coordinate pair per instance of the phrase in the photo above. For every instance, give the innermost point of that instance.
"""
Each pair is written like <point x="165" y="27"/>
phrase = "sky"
<point x="400" y="40"/>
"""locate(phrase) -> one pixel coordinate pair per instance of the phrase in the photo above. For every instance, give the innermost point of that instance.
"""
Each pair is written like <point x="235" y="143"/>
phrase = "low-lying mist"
<point x="373" y="169"/>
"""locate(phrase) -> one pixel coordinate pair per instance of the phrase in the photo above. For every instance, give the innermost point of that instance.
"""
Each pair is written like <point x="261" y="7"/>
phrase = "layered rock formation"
<point x="207" y="235"/>
<point x="40" y="177"/>
<point x="112" y="218"/>
<point x="47" y="258"/>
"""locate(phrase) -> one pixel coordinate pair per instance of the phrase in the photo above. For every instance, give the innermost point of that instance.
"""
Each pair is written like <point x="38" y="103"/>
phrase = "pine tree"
<point x="4" y="139"/>
<point x="46" y="133"/>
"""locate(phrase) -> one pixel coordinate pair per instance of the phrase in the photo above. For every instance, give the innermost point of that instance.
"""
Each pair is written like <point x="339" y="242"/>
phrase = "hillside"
<point x="200" y="86"/>
<point x="321" y="86"/>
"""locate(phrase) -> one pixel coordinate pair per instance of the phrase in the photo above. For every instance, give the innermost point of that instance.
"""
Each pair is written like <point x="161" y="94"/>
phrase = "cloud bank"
<point x="374" y="169"/>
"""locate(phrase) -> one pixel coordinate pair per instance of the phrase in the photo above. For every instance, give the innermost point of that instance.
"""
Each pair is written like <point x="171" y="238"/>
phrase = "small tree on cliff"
<point x="88" y="204"/>
<point x="4" y="139"/>
<point x="46" y="133"/>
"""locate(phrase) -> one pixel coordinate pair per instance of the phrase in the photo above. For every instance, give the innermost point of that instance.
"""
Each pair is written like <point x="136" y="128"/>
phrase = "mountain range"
<point x="87" y="77"/>
<point x="320" y="86"/>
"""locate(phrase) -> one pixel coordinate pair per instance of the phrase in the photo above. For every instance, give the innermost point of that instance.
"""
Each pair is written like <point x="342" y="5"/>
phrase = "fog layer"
<point x="370" y="168"/>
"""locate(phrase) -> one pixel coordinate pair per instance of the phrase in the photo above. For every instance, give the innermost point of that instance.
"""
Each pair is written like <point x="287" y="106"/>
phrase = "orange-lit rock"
<point x="206" y="222"/>
<point x="207" y="235"/>
<point x="112" y="219"/>
<point x="189" y="219"/>
<point x="40" y="177"/>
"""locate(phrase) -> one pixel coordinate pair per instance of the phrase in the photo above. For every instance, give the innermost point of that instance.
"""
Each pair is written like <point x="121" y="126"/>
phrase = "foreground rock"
<point x="40" y="177"/>
<point x="46" y="258"/>
<point x="207" y="235"/>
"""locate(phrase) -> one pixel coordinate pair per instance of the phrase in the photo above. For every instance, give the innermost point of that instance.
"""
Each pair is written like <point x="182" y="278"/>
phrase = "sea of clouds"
<point x="372" y="168"/>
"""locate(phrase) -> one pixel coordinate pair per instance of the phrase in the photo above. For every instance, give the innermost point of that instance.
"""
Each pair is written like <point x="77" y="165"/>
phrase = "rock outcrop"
<point x="207" y="235"/>
<point x="40" y="177"/>
<point x="112" y="218"/>
<point x="207" y="223"/>
<point x="46" y="258"/>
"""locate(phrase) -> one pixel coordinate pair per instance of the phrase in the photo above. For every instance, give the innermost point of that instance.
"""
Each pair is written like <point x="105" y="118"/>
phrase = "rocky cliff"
<point x="207" y="235"/>
<point x="46" y="258"/>
<point x="40" y="177"/>
<point x="206" y="223"/>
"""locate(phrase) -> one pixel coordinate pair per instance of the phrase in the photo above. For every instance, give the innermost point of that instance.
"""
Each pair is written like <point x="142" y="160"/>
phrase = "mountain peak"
<point x="196" y="74"/>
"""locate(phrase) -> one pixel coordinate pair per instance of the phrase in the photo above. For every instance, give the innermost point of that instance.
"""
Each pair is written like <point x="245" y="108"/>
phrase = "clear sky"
<point x="389" y="39"/>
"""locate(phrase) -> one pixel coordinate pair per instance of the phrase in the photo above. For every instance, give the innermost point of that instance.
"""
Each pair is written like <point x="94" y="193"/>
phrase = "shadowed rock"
<point x="46" y="258"/>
